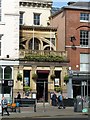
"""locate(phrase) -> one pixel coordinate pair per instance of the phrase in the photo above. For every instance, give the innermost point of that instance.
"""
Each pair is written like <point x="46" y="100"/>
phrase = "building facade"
<point x="9" y="45"/>
<point x="42" y="67"/>
<point x="74" y="35"/>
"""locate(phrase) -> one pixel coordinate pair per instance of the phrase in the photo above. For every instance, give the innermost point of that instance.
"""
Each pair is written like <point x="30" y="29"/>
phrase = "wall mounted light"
<point x="72" y="38"/>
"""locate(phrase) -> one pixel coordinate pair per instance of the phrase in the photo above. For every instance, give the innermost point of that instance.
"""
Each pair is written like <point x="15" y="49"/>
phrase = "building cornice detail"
<point x="22" y="27"/>
<point x="36" y="4"/>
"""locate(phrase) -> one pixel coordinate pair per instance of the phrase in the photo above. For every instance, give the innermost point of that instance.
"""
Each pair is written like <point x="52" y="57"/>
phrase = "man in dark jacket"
<point x="54" y="99"/>
<point x="18" y="97"/>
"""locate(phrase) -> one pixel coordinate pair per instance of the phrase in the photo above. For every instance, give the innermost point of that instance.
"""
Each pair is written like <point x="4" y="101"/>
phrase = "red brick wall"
<point x="73" y="27"/>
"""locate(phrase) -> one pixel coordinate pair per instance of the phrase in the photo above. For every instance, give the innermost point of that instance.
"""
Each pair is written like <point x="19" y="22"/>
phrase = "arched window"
<point x="7" y="73"/>
<point x="36" y="44"/>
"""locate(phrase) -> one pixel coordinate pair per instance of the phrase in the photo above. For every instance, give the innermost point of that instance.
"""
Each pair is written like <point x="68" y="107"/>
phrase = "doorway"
<point x="42" y="85"/>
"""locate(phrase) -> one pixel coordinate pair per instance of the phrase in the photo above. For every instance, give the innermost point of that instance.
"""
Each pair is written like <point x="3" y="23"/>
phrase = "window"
<point x="7" y="73"/>
<point x="84" y="16"/>
<point x="36" y="44"/>
<point x="84" y="38"/>
<point x="36" y="19"/>
<point x="84" y="62"/>
<point x="21" y="18"/>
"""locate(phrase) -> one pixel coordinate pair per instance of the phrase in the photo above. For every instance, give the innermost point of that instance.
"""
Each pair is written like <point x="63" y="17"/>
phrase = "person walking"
<point x="18" y="97"/>
<point x="54" y="99"/>
<point x="60" y="102"/>
<point x="4" y="105"/>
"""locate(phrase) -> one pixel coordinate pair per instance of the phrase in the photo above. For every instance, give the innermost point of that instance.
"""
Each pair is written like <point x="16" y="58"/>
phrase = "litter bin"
<point x="78" y="104"/>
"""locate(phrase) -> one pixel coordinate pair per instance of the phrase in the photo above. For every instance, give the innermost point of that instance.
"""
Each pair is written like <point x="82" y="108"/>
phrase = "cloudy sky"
<point x="60" y="3"/>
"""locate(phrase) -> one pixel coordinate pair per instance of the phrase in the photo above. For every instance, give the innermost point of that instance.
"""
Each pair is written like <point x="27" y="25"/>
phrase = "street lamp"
<point x="69" y="84"/>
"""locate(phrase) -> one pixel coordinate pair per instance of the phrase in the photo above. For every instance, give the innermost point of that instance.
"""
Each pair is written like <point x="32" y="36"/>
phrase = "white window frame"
<point x="84" y="62"/>
<point x="84" y="39"/>
<point x="84" y="16"/>
<point x="37" y="20"/>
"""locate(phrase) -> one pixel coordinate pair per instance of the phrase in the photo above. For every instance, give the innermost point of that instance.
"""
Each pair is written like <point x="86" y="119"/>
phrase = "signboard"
<point x="8" y="83"/>
<point x="57" y="81"/>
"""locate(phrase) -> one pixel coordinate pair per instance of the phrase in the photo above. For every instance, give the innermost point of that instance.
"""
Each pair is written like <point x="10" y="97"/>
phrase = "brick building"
<point x="73" y="34"/>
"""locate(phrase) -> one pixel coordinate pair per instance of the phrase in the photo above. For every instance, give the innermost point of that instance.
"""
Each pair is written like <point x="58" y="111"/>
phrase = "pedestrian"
<point x="54" y="99"/>
<point x="4" y="105"/>
<point x="18" y="97"/>
<point x="60" y="102"/>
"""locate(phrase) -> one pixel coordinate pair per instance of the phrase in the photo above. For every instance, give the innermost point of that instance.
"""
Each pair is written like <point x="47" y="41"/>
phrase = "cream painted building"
<point x="38" y="55"/>
<point x="9" y="45"/>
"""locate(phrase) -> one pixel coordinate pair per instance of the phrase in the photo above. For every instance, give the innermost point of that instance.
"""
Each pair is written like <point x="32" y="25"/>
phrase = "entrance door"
<point x="41" y="89"/>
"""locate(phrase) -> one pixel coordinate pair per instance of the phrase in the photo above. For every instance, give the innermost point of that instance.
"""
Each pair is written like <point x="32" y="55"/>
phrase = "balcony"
<point x="43" y="55"/>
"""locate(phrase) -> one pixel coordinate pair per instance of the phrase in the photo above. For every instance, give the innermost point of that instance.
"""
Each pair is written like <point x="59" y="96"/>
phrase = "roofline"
<point x="70" y="7"/>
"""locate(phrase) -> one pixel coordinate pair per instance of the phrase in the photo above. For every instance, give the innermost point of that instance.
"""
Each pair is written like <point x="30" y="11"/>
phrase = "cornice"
<point x="35" y="4"/>
<point x="22" y="27"/>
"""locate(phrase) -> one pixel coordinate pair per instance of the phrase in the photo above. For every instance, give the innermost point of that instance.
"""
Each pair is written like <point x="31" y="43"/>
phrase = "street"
<point x="50" y="113"/>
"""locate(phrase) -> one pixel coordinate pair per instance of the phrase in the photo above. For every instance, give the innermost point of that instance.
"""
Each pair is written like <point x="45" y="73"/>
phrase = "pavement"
<point x="46" y="111"/>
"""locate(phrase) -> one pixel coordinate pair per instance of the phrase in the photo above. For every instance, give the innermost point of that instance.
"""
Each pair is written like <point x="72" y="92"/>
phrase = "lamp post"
<point x="69" y="84"/>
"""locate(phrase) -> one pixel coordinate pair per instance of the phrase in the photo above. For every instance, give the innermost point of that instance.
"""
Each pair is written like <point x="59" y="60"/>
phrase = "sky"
<point x="61" y="3"/>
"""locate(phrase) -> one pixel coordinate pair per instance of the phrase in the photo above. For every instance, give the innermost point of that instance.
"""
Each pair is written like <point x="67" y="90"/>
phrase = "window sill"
<point x="84" y="46"/>
<point x="84" y="21"/>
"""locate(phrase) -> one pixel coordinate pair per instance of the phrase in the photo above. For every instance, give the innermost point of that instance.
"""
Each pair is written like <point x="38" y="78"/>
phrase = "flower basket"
<point x="58" y="89"/>
<point x="34" y="76"/>
<point x="66" y="78"/>
<point x="27" y="88"/>
<point x="19" y="77"/>
<point x="52" y="76"/>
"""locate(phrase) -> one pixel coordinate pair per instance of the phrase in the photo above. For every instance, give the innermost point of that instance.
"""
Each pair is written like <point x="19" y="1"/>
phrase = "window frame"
<point x="36" y="19"/>
<point x="21" y="20"/>
<point x="84" y="61"/>
<point x="84" y="38"/>
<point x="84" y="17"/>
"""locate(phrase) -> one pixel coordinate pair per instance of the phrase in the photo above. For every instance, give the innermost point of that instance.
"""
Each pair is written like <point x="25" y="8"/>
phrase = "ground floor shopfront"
<point x="79" y="84"/>
<point x="44" y="85"/>
<point x="7" y="78"/>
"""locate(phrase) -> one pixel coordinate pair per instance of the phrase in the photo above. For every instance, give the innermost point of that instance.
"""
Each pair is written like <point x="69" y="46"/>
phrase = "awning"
<point x="43" y="71"/>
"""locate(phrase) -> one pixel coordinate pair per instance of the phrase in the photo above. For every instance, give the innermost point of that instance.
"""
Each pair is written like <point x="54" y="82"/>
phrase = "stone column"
<point x="33" y="82"/>
<point x="63" y="85"/>
<point x="51" y="84"/>
<point x="18" y="85"/>
<point x="69" y="85"/>
<point x="69" y="89"/>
